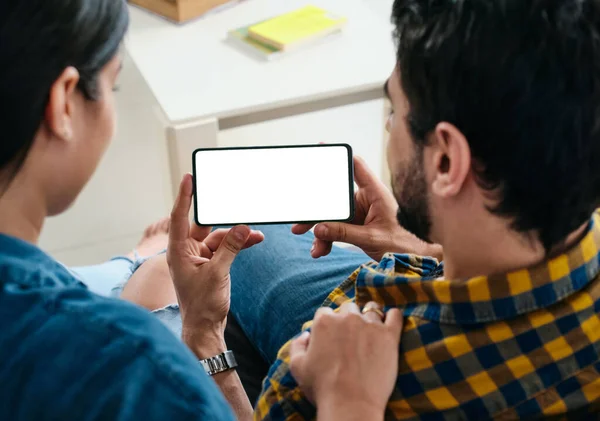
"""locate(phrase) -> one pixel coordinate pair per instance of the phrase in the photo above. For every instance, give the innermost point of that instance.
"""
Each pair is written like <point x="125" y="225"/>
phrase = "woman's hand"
<point x="375" y="228"/>
<point x="348" y="364"/>
<point x="199" y="261"/>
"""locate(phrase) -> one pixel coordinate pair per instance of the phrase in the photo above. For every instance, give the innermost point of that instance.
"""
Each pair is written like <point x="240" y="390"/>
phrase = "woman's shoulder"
<point x="68" y="339"/>
<point x="81" y="356"/>
<point x="25" y="267"/>
<point x="41" y="297"/>
<point x="37" y="288"/>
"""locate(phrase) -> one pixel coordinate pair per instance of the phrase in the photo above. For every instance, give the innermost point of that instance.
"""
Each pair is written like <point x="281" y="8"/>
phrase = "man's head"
<point x="496" y="115"/>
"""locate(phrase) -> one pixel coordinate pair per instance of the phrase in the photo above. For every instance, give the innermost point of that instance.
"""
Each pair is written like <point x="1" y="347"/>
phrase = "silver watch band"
<point x="220" y="363"/>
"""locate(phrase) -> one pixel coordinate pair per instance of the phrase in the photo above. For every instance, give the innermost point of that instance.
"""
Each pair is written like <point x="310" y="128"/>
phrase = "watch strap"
<point x="219" y="364"/>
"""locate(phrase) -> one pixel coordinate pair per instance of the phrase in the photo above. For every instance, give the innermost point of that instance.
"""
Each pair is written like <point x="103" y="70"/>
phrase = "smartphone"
<point x="273" y="185"/>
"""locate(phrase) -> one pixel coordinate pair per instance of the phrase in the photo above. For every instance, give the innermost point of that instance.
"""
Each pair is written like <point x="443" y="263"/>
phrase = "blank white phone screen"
<point x="273" y="185"/>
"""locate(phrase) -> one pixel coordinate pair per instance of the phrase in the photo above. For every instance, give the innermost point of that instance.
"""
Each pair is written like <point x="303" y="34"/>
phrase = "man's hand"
<point x="348" y="365"/>
<point x="199" y="262"/>
<point x="375" y="228"/>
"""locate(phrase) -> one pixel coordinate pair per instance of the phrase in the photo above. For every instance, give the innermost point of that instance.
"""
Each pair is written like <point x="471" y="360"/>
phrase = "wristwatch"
<point x="222" y="362"/>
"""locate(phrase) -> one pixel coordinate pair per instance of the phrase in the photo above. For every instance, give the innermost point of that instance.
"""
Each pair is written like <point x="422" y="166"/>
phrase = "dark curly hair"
<point x="521" y="80"/>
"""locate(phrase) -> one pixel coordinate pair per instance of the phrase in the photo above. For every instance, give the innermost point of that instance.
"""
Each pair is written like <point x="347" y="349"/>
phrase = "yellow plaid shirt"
<point x="521" y="345"/>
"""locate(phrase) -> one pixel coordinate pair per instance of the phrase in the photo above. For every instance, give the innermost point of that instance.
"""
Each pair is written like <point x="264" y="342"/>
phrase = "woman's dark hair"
<point x="521" y="80"/>
<point x="39" y="39"/>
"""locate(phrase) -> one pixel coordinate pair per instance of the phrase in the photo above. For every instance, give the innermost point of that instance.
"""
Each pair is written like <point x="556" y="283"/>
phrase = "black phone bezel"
<point x="350" y="181"/>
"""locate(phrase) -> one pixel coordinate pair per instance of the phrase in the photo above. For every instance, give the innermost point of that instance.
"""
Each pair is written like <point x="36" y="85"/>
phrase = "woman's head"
<point x="58" y="64"/>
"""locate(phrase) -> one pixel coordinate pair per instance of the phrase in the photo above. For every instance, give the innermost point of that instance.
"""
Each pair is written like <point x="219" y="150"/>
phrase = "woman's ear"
<point x="452" y="160"/>
<point x="61" y="104"/>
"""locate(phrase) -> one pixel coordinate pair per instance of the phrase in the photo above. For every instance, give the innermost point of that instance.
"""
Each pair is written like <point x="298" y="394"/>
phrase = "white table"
<point x="202" y="84"/>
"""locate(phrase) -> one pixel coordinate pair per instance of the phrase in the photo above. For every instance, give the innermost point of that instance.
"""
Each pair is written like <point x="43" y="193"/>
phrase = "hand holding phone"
<point x="374" y="229"/>
<point x="273" y="185"/>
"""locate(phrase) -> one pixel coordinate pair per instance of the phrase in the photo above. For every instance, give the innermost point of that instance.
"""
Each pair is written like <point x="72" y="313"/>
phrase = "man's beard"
<point x="410" y="190"/>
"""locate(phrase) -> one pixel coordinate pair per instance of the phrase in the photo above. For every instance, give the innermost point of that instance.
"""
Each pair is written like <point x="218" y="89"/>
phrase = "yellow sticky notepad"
<point x="297" y="27"/>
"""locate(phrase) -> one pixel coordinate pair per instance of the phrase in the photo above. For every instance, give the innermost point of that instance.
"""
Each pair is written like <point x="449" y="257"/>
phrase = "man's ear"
<point x="452" y="160"/>
<point x="61" y="104"/>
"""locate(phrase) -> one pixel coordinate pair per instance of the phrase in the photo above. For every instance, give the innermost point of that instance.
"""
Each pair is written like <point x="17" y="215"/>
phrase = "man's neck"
<point x="499" y="250"/>
<point x="22" y="212"/>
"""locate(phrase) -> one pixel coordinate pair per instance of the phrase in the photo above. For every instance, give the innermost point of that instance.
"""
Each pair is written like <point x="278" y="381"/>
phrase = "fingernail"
<point x="322" y="231"/>
<point x="241" y="233"/>
<point x="312" y="249"/>
<point x="188" y="184"/>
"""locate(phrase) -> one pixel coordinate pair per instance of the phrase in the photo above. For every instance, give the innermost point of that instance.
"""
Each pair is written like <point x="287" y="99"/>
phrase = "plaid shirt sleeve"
<point x="281" y="398"/>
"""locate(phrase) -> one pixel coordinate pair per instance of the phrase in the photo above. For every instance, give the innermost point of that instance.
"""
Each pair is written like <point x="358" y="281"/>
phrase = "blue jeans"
<point x="276" y="286"/>
<point x="107" y="278"/>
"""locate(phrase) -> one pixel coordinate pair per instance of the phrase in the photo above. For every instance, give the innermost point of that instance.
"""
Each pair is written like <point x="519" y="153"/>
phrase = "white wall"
<point x="382" y="7"/>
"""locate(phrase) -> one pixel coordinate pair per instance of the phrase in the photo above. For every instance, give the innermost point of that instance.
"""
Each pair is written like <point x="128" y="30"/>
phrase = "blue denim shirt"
<point x="67" y="354"/>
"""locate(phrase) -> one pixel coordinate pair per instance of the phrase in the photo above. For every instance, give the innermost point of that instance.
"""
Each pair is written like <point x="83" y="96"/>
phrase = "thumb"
<point x="298" y="350"/>
<point x="371" y="184"/>
<point x="338" y="231"/>
<point x="180" y="223"/>
<point x="364" y="177"/>
<point x="394" y="321"/>
<point x="231" y="245"/>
